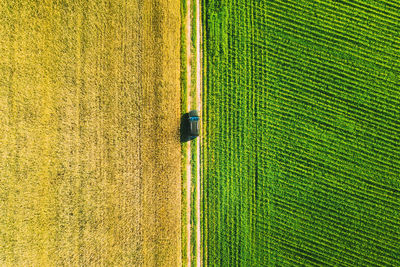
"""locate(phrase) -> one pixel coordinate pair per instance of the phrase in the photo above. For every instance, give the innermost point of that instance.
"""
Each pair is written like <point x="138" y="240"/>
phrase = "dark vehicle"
<point x="190" y="125"/>
<point x="193" y="124"/>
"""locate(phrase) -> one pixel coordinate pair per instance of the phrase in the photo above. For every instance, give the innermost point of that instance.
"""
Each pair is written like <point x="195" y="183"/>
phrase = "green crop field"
<point x="301" y="157"/>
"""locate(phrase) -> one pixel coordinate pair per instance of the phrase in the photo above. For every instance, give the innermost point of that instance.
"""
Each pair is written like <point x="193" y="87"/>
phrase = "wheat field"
<point x="89" y="140"/>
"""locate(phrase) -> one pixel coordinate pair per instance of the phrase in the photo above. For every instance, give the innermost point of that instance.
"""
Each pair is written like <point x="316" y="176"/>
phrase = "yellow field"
<point x="89" y="146"/>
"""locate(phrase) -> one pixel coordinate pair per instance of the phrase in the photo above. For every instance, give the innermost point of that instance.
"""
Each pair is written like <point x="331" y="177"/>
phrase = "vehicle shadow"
<point x="184" y="128"/>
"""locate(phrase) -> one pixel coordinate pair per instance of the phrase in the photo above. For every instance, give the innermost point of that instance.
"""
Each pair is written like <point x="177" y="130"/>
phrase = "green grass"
<point x="301" y="134"/>
<point x="188" y="92"/>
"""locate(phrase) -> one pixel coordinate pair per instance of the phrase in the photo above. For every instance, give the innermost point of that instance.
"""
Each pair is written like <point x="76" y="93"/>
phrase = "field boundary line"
<point x="188" y="167"/>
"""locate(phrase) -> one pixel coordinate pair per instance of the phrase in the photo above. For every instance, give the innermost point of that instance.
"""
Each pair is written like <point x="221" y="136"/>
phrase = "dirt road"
<point x="193" y="67"/>
<point x="89" y="146"/>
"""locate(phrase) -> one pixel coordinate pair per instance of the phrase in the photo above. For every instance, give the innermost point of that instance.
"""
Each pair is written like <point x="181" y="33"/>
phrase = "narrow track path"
<point x="199" y="107"/>
<point x="188" y="167"/>
<point x="198" y="87"/>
